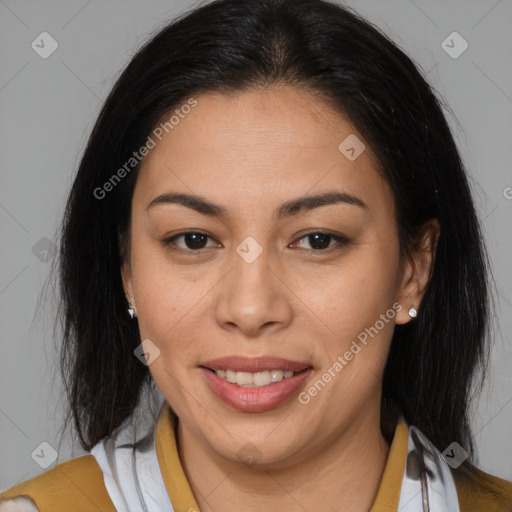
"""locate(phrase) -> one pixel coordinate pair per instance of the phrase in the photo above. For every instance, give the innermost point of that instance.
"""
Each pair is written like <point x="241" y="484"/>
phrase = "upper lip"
<point x="254" y="364"/>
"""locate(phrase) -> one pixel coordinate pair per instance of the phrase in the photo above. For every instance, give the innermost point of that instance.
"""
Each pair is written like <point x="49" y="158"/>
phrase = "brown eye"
<point x="320" y="241"/>
<point x="192" y="241"/>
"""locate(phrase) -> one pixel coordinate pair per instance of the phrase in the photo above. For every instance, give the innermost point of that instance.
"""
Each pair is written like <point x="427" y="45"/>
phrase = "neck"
<point x="344" y="475"/>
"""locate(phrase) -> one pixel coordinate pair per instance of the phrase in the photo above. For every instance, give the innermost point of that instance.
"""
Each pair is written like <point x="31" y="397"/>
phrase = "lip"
<point x="258" y="399"/>
<point x="254" y="364"/>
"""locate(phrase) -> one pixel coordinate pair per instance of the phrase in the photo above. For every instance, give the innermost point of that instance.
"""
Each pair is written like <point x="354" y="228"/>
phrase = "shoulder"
<point x="76" y="484"/>
<point x="480" y="492"/>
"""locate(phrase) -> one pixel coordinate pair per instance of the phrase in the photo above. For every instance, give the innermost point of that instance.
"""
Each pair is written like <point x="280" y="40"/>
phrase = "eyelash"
<point x="341" y="241"/>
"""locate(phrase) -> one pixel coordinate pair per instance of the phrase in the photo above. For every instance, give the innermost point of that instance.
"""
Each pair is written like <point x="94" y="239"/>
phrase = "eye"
<point x="320" y="241"/>
<point x="194" y="241"/>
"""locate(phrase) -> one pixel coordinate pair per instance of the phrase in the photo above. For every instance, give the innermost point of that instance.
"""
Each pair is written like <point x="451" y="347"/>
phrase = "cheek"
<point x="165" y="305"/>
<point x="356" y="303"/>
<point x="352" y="296"/>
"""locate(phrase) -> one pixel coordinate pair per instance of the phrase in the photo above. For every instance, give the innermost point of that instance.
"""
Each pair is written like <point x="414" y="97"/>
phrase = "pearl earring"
<point x="413" y="312"/>
<point x="131" y="309"/>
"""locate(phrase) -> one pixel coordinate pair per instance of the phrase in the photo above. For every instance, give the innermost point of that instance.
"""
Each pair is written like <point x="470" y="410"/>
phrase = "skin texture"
<point x="250" y="152"/>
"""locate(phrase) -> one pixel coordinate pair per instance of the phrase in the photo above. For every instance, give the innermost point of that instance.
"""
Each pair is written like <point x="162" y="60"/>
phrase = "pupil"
<point x="322" y="237"/>
<point x="193" y="240"/>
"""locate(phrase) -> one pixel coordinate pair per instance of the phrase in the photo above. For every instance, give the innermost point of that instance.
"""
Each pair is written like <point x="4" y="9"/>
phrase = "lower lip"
<point x="254" y="399"/>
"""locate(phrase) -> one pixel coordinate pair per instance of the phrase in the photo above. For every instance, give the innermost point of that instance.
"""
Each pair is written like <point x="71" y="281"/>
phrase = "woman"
<point x="272" y="227"/>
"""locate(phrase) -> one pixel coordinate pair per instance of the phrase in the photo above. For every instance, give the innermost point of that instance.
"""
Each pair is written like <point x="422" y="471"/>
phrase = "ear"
<point x="418" y="270"/>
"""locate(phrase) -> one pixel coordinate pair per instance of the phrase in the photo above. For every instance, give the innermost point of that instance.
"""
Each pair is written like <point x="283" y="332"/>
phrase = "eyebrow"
<point x="287" y="209"/>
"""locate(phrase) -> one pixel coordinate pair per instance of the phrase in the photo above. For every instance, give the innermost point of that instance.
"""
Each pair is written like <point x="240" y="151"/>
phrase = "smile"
<point x="254" y="380"/>
<point x="254" y="384"/>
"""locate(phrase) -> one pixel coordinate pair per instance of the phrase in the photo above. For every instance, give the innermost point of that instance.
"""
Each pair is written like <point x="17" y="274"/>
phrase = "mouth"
<point x="254" y="384"/>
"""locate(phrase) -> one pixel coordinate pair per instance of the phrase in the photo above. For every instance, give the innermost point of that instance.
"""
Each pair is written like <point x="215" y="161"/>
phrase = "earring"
<point x="413" y="312"/>
<point x="131" y="309"/>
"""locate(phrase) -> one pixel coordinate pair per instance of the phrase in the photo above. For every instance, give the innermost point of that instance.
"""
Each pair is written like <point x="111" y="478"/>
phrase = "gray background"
<point x="48" y="107"/>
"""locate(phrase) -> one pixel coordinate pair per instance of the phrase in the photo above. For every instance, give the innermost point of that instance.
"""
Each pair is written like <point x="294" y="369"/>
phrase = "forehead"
<point x="277" y="141"/>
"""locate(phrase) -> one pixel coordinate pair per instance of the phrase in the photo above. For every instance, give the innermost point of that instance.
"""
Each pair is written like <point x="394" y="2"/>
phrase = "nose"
<point x="253" y="297"/>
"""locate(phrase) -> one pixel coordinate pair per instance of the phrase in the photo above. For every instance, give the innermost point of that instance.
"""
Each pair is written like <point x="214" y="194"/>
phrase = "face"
<point x="295" y="303"/>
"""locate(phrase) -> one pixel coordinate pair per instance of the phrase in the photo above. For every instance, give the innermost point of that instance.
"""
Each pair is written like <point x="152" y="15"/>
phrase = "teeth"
<point x="261" y="378"/>
<point x="276" y="375"/>
<point x="243" y="378"/>
<point x="254" y="380"/>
